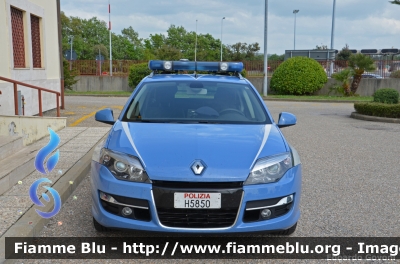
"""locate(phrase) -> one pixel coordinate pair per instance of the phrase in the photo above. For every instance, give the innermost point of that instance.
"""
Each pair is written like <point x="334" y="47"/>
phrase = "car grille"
<point x="196" y="185"/>
<point x="194" y="218"/>
<point x="197" y="218"/>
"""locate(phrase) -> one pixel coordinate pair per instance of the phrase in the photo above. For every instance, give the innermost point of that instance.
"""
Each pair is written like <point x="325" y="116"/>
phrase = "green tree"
<point x="86" y="34"/>
<point x="152" y="44"/>
<point x="344" y="78"/>
<point x="136" y="73"/>
<point x="251" y="51"/>
<point x="344" y="54"/>
<point x="237" y="51"/>
<point x="180" y="39"/>
<point x="132" y="36"/>
<point x="91" y="34"/>
<point x="276" y="57"/>
<point x="69" y="76"/>
<point x="396" y="2"/>
<point x="209" y="48"/>
<point x="166" y="52"/>
<point x="243" y="51"/>
<point x="181" y="43"/>
<point x="359" y="63"/>
<point x="100" y="48"/>
<point x="123" y="49"/>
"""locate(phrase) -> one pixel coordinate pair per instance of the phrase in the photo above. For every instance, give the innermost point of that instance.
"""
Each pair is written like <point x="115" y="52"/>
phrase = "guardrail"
<point x="39" y="89"/>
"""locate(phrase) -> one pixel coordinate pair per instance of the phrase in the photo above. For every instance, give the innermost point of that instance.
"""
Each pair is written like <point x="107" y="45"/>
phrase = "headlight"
<point x="123" y="167"/>
<point x="270" y="169"/>
<point x="97" y="151"/>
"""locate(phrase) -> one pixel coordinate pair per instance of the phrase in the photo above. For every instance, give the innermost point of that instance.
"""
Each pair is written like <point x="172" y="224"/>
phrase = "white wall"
<point x="30" y="128"/>
<point x="46" y="77"/>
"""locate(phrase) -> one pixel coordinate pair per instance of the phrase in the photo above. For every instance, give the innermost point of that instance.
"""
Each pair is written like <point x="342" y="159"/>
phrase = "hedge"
<point x="387" y="96"/>
<point x="137" y="72"/>
<point x="378" y="109"/>
<point x="298" y="76"/>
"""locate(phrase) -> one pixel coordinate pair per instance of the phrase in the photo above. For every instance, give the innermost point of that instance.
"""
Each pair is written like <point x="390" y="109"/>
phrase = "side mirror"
<point x="286" y="119"/>
<point x="105" y="116"/>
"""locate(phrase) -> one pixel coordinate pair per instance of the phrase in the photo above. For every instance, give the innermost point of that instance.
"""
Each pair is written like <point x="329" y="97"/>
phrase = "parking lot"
<point x="350" y="175"/>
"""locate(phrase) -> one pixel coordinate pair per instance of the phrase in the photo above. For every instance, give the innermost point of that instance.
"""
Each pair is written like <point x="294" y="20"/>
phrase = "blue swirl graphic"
<point x="45" y="151"/>
<point x="35" y="198"/>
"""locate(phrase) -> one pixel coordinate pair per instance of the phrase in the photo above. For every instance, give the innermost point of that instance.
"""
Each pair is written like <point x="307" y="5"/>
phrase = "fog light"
<point x="289" y="199"/>
<point x="105" y="197"/>
<point x="265" y="213"/>
<point x="126" y="211"/>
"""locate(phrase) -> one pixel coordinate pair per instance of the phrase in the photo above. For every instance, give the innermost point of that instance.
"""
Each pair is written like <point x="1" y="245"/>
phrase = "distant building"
<point x="29" y="52"/>
<point x="316" y="54"/>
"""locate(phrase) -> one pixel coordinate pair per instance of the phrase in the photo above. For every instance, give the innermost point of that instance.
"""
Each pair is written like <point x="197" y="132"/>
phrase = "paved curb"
<point x="22" y="229"/>
<point x="375" y="118"/>
<point x="311" y="101"/>
<point x="98" y="95"/>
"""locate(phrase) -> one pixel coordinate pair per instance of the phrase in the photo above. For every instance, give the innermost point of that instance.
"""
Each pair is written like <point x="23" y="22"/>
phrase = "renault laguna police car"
<point x="196" y="153"/>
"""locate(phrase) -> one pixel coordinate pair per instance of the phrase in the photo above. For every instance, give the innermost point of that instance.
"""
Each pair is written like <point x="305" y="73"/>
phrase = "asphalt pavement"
<point x="350" y="178"/>
<point x="80" y="110"/>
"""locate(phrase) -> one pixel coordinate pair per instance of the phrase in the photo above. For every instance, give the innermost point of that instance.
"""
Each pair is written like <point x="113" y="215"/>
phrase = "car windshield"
<point x="196" y="102"/>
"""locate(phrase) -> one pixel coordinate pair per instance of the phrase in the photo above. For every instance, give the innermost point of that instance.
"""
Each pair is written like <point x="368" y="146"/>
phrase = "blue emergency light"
<point x="171" y="66"/>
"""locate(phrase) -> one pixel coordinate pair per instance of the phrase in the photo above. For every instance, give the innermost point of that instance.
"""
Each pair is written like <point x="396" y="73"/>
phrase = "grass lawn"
<point x="322" y="98"/>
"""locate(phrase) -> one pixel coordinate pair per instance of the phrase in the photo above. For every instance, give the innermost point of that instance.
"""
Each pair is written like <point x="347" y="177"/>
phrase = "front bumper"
<point x="102" y="180"/>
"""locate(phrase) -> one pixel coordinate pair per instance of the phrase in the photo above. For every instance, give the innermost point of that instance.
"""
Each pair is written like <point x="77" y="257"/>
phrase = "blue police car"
<point x="195" y="153"/>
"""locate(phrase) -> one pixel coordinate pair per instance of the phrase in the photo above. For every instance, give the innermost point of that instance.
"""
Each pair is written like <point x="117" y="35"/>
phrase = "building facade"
<point x="29" y="53"/>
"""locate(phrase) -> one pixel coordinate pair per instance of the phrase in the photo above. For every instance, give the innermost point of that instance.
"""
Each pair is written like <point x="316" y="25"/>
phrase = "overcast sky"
<point x="362" y="24"/>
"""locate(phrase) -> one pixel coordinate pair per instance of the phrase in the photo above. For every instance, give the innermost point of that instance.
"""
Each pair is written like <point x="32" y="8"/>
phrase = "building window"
<point x="36" y="50"/>
<point x="17" y="23"/>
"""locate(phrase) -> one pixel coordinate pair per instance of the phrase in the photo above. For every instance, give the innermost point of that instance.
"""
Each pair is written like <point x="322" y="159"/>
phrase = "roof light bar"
<point x="171" y="66"/>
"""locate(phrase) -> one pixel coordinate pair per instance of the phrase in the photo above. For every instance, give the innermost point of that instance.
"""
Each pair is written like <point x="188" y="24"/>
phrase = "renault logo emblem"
<point x="198" y="167"/>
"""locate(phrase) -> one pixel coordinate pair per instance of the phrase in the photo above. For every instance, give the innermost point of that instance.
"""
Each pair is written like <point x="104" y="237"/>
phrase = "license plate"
<point x="191" y="200"/>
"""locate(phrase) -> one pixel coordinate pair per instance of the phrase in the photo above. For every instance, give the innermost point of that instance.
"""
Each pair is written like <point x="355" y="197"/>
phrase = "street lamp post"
<point x="265" y="83"/>
<point x="71" y="38"/>
<point x="294" y="41"/>
<point x="222" y="20"/>
<point x="332" y="33"/>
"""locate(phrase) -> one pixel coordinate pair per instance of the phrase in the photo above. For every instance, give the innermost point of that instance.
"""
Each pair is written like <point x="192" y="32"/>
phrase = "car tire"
<point x="286" y="232"/>
<point x="99" y="227"/>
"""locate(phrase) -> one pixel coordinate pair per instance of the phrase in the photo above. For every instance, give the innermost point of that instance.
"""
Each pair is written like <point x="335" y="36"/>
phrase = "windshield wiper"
<point x="208" y="122"/>
<point x="157" y="121"/>
<point x="144" y="121"/>
<point x="176" y="121"/>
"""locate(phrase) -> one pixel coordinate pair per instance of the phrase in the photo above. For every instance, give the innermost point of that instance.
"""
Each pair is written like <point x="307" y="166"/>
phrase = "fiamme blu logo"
<point x="45" y="167"/>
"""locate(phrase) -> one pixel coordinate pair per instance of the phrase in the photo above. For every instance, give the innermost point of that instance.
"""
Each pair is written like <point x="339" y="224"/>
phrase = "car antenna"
<point x="195" y="55"/>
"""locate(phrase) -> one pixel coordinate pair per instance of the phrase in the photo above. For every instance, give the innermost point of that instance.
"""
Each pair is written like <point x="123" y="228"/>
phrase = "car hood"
<point x="168" y="151"/>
